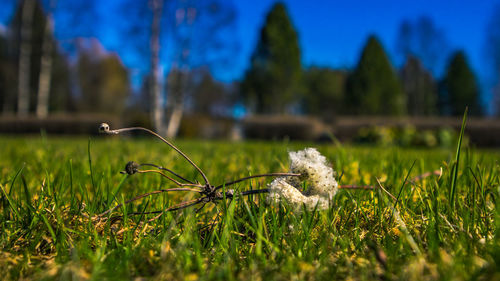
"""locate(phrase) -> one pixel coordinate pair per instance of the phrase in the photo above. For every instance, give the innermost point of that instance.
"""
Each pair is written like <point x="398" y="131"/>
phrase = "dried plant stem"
<point x="179" y="206"/>
<point x="169" y="178"/>
<point x="118" y="131"/>
<point x="249" y="192"/>
<point x="145" y="195"/>
<point x="168" y="170"/>
<point x="428" y="174"/>
<point x="387" y="192"/>
<point x="207" y="191"/>
<point x="257" y="176"/>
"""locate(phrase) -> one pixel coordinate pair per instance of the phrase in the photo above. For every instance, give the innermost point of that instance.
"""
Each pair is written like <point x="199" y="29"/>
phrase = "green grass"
<point x="49" y="191"/>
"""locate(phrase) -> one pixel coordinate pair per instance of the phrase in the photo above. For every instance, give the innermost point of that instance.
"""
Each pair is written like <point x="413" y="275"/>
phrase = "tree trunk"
<point x="158" y="107"/>
<point x="177" y="82"/>
<point x="42" y="106"/>
<point x="23" y="98"/>
<point x="174" y="121"/>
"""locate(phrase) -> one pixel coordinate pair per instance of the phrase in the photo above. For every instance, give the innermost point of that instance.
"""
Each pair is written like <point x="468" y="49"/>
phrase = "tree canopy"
<point x="419" y="87"/>
<point x="275" y="69"/>
<point x="373" y="87"/>
<point x="460" y="86"/>
<point x="324" y="91"/>
<point x="103" y="81"/>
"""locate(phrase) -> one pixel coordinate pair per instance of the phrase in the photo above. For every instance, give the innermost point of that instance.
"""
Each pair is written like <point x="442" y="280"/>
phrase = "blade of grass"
<point x="90" y="166"/>
<point x="454" y="175"/>
<point x="15" y="177"/>
<point x="9" y="200"/>
<point x="115" y="191"/>
<point x="49" y="227"/>
<point x="401" y="189"/>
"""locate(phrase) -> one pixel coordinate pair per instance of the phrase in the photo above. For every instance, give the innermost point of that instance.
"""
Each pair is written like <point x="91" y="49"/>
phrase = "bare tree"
<point x="192" y="32"/>
<point x="23" y="98"/>
<point x="424" y="40"/>
<point x="200" y="38"/>
<point x="158" y="108"/>
<point x="42" y="106"/>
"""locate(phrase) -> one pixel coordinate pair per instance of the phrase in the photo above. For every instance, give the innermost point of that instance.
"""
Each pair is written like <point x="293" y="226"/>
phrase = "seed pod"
<point x="131" y="168"/>
<point x="103" y="128"/>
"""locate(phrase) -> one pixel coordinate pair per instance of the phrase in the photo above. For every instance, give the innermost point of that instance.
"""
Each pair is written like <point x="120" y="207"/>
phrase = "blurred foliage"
<point x="460" y="86"/>
<point x="210" y="96"/>
<point x="103" y="80"/>
<point x="200" y="34"/>
<point x="60" y="92"/>
<point x="373" y="88"/>
<point x="272" y="81"/>
<point x="324" y="91"/>
<point x="421" y="38"/>
<point x="419" y="87"/>
<point x="206" y="126"/>
<point x="408" y="136"/>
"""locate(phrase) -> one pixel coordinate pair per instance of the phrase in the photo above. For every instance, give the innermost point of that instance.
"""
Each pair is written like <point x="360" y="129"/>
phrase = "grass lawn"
<point x="432" y="229"/>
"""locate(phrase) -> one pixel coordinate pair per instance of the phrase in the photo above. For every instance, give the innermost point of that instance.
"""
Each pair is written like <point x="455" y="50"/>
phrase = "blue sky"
<point x="332" y="33"/>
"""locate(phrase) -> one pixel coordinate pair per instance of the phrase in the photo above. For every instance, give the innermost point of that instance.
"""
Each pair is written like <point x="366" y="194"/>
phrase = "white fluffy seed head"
<point x="316" y="171"/>
<point x="281" y="190"/>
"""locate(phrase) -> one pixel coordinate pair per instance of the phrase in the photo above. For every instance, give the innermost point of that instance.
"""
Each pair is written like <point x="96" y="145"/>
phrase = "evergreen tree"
<point x="324" y="91"/>
<point x="460" y="87"/>
<point x="419" y="87"/>
<point x="271" y="82"/>
<point x="373" y="88"/>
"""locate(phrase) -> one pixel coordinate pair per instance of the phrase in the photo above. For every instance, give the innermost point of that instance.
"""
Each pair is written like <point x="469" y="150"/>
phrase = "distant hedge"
<point x="480" y="131"/>
<point x="279" y="127"/>
<point x="72" y="124"/>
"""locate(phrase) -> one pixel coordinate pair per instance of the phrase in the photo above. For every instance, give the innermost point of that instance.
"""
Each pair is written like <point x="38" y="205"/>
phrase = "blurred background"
<point x="383" y="72"/>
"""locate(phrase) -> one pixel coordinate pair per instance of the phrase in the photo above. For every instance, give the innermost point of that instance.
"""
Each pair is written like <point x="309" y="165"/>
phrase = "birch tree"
<point x="42" y="107"/>
<point x="24" y="68"/>
<point x="200" y="37"/>
<point x="158" y="108"/>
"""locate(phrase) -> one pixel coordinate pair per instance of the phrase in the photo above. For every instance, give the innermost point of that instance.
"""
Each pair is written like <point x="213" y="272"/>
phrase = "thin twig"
<point x="387" y="192"/>
<point x="179" y="206"/>
<point x="147" y="194"/>
<point x="105" y="129"/>
<point x="169" y="178"/>
<point x="168" y="170"/>
<point x="257" y="176"/>
<point x="427" y="174"/>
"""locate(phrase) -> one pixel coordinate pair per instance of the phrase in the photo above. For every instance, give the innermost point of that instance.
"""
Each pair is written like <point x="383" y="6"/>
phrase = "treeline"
<point x="277" y="83"/>
<point x="38" y="76"/>
<point x="77" y="74"/>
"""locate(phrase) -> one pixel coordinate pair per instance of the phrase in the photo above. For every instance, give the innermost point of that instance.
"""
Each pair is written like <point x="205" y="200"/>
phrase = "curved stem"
<point x="145" y="195"/>
<point x="169" y="178"/>
<point x="179" y="206"/>
<point x="257" y="176"/>
<point x="168" y="170"/>
<point x="118" y="131"/>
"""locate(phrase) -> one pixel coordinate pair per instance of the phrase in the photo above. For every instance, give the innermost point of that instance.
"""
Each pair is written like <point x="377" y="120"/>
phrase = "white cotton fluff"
<point x="316" y="171"/>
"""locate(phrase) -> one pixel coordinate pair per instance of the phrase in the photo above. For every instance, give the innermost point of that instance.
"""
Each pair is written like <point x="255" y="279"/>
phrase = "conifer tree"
<point x="271" y="82"/>
<point x="460" y="87"/>
<point x="373" y="88"/>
